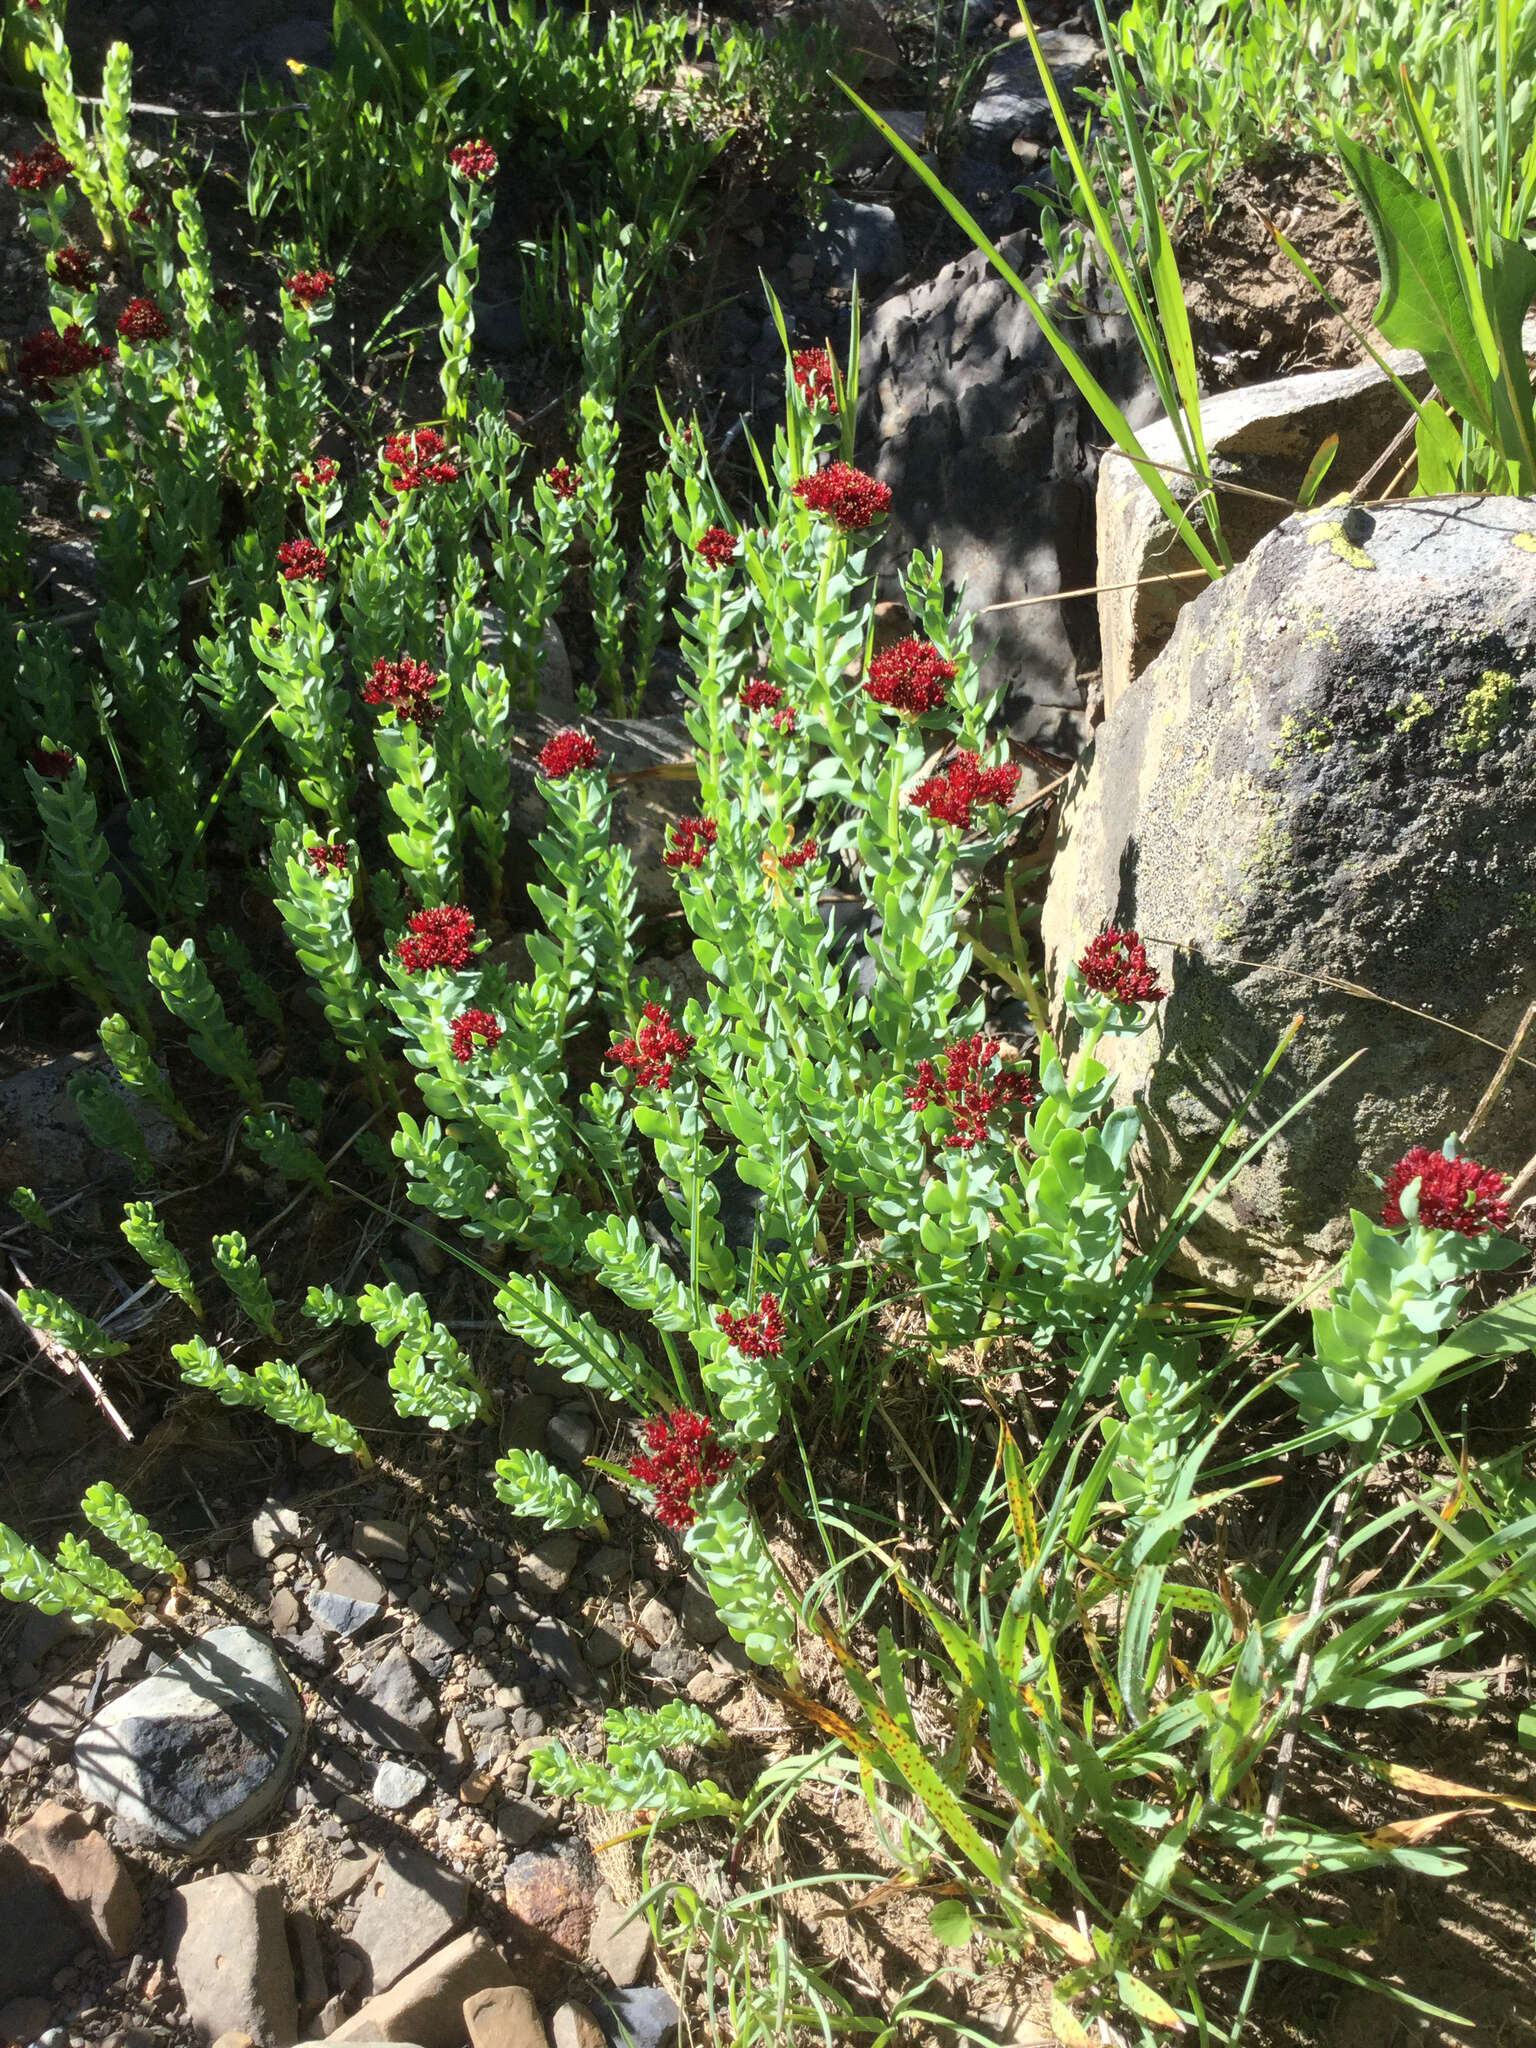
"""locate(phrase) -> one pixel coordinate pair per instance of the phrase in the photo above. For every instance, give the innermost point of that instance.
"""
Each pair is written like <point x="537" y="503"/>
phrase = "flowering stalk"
<point x="652" y="578"/>
<point x="471" y="166"/>
<point x="316" y="906"/>
<point x="589" y="911"/>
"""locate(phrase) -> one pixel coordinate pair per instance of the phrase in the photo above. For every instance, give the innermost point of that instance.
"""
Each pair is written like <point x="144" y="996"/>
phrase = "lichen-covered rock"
<point x="1328" y="777"/>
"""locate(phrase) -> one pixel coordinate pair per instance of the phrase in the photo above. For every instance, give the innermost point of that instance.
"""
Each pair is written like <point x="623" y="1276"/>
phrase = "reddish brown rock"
<point x="86" y="1869"/>
<point x="554" y="1890"/>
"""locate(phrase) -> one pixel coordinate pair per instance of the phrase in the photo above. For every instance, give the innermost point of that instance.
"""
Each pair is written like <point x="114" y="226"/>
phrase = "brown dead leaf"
<point x="1403" y="1834"/>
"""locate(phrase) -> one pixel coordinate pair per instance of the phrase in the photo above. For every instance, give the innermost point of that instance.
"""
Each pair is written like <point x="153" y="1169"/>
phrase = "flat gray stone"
<point x="409" y="1904"/>
<point x="553" y="1645"/>
<point x="226" y="1941"/>
<point x="546" y="1570"/>
<point x="859" y="238"/>
<point x="200" y="1750"/>
<point x="643" y="2016"/>
<point x="275" y="1528"/>
<point x="372" y="1536"/>
<point x="348" y="1597"/>
<point x="393" y="1707"/>
<point x="397" y="1786"/>
<point x="1012" y="101"/>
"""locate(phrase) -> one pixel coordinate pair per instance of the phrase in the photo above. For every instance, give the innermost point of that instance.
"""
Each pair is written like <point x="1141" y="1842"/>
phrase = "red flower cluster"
<point x="405" y="687"/>
<point x="309" y="287"/>
<point x="968" y="1090"/>
<point x="227" y="298"/>
<point x="853" y="499"/>
<point x="812" y="369"/>
<point x="690" y="839"/>
<point x="46" y="356"/>
<point x="301" y="561"/>
<point x="142" y="215"/>
<point x="800" y="856"/>
<point x="909" y="676"/>
<point x="654" y="1050"/>
<point x="470" y="1025"/>
<point x="52" y="763"/>
<point x="759" y="1333"/>
<point x="327" y="856"/>
<point x="473" y="158"/>
<point x="716" y="545"/>
<point x="325" y="471"/>
<point x="439" y="938"/>
<point x="420" y="457"/>
<point x="683" y="1459"/>
<point x="949" y="798"/>
<point x="38" y="170"/>
<point x="1454" y="1194"/>
<point x="783" y="721"/>
<point x="564" y="481"/>
<point x="761" y="695"/>
<point x="72" y="266"/>
<point x="1116" y="965"/>
<point x="565" y="753"/>
<point x="142" y="320"/>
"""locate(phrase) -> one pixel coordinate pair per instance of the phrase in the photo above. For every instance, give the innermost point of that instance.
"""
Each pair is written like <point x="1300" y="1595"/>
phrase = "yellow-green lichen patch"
<point x="1332" y="532"/>
<point x="1412" y="708"/>
<point x="1483" y="711"/>
<point x="1312" y="736"/>
<point x="1524" y="540"/>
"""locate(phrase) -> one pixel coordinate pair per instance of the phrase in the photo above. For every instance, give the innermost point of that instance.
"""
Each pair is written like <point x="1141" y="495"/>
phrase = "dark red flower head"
<point x="565" y="753"/>
<point x="564" y="481"/>
<point x="799" y="856"/>
<point x="969" y="1090"/>
<point x="301" y="561"/>
<point x="72" y="266"/>
<point x="52" y="763"/>
<point x="418" y="456"/>
<point x="227" y="298"/>
<point x="473" y="158"/>
<point x="909" y="676"/>
<point x="759" y="1333"/>
<point x="681" y="1459"/>
<point x="473" y="1031"/>
<point x="38" y="170"/>
<point x="654" y="1050"/>
<point x="327" y="856"/>
<point x="45" y="357"/>
<point x="1116" y="965"/>
<point x="142" y="215"/>
<point x="783" y="720"/>
<point x="716" y="545"/>
<point x="690" y="839"/>
<point x="761" y="695"/>
<point x="812" y="369"/>
<point x="309" y="287"/>
<point x="324" y="472"/>
<point x="142" y="320"/>
<point x="1454" y="1194"/>
<point x="948" y="798"/>
<point x="852" y="499"/>
<point x="405" y="687"/>
<point x="438" y="938"/>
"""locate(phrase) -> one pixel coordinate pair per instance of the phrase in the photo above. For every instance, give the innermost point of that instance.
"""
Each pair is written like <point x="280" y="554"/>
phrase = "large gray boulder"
<point x="201" y="1750"/>
<point x="1328" y="777"/>
<point x="990" y="453"/>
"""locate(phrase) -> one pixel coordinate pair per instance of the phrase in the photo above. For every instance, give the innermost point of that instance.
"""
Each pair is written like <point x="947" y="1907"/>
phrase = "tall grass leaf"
<point x="1110" y="417"/>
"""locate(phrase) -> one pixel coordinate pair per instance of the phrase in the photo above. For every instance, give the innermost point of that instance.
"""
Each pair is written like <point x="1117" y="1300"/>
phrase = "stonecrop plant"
<point x="741" y="1221"/>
